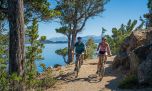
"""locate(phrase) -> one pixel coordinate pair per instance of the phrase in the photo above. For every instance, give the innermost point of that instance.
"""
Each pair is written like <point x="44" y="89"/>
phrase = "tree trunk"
<point x="72" y="46"/>
<point x="69" y="49"/>
<point x="16" y="43"/>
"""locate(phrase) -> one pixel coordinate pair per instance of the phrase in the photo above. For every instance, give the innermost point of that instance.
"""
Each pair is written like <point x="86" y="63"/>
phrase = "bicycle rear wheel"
<point x="77" y="68"/>
<point x="101" y="69"/>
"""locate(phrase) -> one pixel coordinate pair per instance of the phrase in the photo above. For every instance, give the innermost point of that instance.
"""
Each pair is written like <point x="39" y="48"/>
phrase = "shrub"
<point x="90" y="48"/>
<point x="129" y="82"/>
<point x="57" y="65"/>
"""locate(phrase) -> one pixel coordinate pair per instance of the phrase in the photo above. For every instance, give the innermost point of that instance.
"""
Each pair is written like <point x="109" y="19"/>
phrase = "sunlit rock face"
<point x="136" y="54"/>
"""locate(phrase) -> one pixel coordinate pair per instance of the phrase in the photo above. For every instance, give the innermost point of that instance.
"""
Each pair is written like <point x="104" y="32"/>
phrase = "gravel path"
<point x="109" y="82"/>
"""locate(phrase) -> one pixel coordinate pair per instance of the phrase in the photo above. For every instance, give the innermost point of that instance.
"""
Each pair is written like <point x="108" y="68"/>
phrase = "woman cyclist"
<point x="103" y="48"/>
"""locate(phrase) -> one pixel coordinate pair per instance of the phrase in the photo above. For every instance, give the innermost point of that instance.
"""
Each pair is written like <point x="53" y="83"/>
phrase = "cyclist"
<point x="79" y="49"/>
<point x="103" y="49"/>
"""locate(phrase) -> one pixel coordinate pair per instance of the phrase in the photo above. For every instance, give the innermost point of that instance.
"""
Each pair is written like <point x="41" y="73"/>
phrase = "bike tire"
<point x="102" y="69"/>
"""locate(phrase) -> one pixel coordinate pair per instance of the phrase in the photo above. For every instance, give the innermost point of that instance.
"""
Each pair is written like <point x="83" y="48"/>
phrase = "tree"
<point x="16" y="36"/>
<point x="65" y="31"/>
<point x="17" y="13"/>
<point x="3" y="57"/>
<point x="119" y="34"/>
<point x="74" y="15"/>
<point x="62" y="52"/>
<point x="148" y="16"/>
<point x="90" y="48"/>
<point x="33" y="52"/>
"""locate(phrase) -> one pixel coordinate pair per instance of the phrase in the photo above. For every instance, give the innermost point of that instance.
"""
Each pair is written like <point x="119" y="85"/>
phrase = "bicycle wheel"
<point x="77" y="66"/>
<point x="101" y="69"/>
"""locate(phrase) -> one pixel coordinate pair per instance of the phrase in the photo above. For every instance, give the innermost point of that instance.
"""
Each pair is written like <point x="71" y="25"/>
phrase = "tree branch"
<point x="83" y="24"/>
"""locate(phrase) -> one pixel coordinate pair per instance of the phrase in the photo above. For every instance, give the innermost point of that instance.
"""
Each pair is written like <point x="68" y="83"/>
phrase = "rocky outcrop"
<point x="136" y="39"/>
<point x="136" y="55"/>
<point x="145" y="64"/>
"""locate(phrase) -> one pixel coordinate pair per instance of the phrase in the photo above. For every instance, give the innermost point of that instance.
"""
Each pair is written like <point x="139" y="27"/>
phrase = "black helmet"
<point x="104" y="38"/>
<point x="79" y="38"/>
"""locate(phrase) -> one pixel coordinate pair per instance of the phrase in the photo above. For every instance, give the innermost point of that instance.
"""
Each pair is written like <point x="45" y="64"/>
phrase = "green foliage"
<point x="63" y="52"/>
<point x="43" y="38"/>
<point x="39" y="9"/>
<point x="63" y="30"/>
<point x="149" y="5"/>
<point x="73" y="18"/>
<point x="57" y="65"/>
<point x="129" y="82"/>
<point x="4" y="82"/>
<point x="7" y="82"/>
<point x="90" y="48"/>
<point x="48" y="82"/>
<point x="61" y="72"/>
<point x="103" y="31"/>
<point x="35" y="49"/>
<point x="119" y="35"/>
<point x="43" y="66"/>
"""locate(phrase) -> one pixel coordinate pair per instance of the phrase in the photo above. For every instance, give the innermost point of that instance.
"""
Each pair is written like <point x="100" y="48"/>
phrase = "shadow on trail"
<point x="113" y="83"/>
<point x="70" y="77"/>
<point x="109" y="72"/>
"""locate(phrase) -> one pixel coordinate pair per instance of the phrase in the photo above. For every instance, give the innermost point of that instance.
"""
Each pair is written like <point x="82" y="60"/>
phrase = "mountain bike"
<point x="101" y="68"/>
<point x="79" y="62"/>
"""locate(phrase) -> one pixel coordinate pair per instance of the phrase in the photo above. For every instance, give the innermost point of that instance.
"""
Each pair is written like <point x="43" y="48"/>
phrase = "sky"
<point x="116" y="12"/>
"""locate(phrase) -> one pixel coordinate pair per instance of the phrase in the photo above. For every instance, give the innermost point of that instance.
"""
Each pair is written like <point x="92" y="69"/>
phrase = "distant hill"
<point x="58" y="39"/>
<point x="64" y="39"/>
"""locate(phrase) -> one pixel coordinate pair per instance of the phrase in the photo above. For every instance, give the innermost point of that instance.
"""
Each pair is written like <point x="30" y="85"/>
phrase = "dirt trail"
<point x="109" y="82"/>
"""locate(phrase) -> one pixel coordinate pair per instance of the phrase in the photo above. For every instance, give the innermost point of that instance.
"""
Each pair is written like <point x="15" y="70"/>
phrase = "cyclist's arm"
<point x="108" y="49"/>
<point x="98" y="47"/>
<point x="83" y="47"/>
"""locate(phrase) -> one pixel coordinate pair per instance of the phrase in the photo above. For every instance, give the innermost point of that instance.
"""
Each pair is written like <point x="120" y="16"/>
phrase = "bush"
<point x="129" y="82"/>
<point x="47" y="82"/>
<point x="90" y="48"/>
<point x="57" y="65"/>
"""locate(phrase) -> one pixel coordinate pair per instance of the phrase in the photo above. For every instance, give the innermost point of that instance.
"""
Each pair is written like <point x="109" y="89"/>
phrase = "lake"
<point x="50" y="57"/>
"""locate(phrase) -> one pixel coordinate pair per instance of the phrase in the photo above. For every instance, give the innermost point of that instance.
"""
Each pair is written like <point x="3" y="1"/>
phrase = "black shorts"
<point x="102" y="52"/>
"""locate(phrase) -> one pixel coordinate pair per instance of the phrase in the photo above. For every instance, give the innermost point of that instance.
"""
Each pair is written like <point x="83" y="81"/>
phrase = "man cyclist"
<point x="103" y="48"/>
<point x="79" y="49"/>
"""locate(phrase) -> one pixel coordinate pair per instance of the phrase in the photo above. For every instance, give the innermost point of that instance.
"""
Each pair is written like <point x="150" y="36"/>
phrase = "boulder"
<point x="135" y="55"/>
<point x="145" y="66"/>
<point x="126" y="57"/>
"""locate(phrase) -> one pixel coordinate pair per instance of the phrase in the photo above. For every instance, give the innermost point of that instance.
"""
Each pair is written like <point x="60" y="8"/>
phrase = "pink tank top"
<point x="103" y="47"/>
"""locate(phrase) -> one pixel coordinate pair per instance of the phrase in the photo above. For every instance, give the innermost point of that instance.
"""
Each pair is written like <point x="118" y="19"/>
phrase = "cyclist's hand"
<point x="110" y="55"/>
<point x="97" y="52"/>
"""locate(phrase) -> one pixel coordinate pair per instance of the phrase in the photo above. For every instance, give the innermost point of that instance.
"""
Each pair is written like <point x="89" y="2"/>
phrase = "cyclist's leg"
<point x="99" y="63"/>
<point x="76" y="62"/>
<point x="105" y="59"/>
<point x="81" y="58"/>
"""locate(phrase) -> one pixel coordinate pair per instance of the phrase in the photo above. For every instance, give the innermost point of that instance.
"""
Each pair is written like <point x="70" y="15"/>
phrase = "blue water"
<point x="50" y="57"/>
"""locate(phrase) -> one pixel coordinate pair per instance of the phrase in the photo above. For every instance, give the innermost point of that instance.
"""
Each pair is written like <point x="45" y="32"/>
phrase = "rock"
<point x="145" y="71"/>
<point x="145" y="68"/>
<point x="137" y="56"/>
<point x="134" y="63"/>
<point x="121" y="60"/>
<point x="126" y="57"/>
